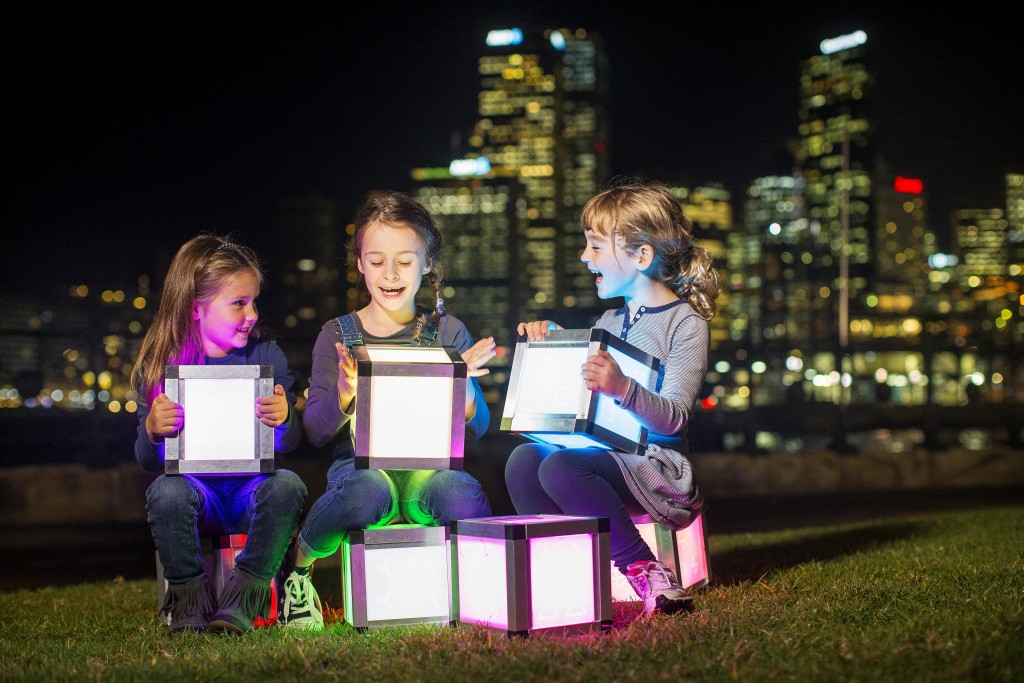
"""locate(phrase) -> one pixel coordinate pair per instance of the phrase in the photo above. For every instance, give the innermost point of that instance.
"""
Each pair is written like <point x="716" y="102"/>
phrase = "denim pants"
<point x="266" y="507"/>
<point x="544" y="479"/>
<point x="360" y="499"/>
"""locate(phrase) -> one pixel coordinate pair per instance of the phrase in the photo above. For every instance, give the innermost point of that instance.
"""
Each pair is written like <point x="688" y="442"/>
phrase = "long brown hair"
<point x="399" y="209"/>
<point x="633" y="213"/>
<point x="196" y="273"/>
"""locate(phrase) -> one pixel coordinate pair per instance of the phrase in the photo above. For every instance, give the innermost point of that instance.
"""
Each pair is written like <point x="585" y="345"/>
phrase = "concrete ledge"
<point x="75" y="494"/>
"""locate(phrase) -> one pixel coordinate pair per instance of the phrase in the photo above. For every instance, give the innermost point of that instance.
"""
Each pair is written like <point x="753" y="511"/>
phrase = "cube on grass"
<point x="684" y="552"/>
<point x="548" y="401"/>
<point x="410" y="407"/>
<point x="395" y="575"/>
<point x="221" y="433"/>
<point x="529" y="573"/>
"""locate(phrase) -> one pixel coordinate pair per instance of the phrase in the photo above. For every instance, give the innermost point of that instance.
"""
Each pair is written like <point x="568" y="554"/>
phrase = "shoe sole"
<point x="674" y="606"/>
<point x="221" y="626"/>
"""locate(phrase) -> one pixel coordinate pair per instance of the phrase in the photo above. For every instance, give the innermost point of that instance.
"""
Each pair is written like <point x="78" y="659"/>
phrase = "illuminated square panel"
<point x="529" y="573"/>
<point x="221" y="434"/>
<point x="684" y="552"/>
<point x="396" y="575"/>
<point x="410" y="407"/>
<point x="548" y="401"/>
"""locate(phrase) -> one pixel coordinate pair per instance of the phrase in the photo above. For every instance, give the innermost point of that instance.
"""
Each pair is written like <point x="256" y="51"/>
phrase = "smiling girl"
<point x="395" y="246"/>
<point x="639" y="247"/>
<point x="207" y="316"/>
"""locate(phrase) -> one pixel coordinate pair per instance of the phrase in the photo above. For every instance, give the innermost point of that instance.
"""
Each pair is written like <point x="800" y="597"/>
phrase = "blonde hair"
<point x="195" y="275"/>
<point x="632" y="213"/>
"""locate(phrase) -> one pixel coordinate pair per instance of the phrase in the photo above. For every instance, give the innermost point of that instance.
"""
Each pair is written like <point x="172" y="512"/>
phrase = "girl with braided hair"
<point x="395" y="246"/>
<point x="640" y="247"/>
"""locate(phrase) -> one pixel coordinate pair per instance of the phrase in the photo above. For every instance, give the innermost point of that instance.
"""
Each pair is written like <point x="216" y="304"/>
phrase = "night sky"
<point x="128" y="132"/>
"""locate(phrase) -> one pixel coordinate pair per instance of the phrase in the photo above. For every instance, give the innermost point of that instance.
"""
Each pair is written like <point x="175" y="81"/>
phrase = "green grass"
<point x="923" y="598"/>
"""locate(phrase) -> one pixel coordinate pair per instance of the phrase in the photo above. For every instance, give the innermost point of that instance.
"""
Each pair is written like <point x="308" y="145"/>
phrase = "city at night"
<point x="856" y="178"/>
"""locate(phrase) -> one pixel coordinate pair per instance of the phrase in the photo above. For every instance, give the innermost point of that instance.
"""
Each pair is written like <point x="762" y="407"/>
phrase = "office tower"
<point x="981" y="245"/>
<point x="709" y="209"/>
<point x="776" y="286"/>
<point x="1015" y="228"/>
<point x="903" y="242"/>
<point x="479" y="220"/>
<point x="543" y="123"/>
<point x="836" y="157"/>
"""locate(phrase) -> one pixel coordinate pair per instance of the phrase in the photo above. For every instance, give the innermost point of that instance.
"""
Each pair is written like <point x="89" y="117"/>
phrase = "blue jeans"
<point x="544" y="479"/>
<point x="359" y="499"/>
<point x="266" y="507"/>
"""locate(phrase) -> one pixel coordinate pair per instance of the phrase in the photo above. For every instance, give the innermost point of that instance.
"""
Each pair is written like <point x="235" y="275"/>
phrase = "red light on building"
<point x="909" y="185"/>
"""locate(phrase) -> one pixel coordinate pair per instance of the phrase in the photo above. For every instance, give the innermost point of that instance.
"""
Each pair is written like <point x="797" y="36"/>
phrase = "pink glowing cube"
<point x="528" y="573"/>
<point x="684" y="552"/>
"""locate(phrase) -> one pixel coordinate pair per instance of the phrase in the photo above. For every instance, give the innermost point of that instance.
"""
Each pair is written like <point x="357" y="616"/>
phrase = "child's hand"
<point x="347" y="375"/>
<point x="165" y="418"/>
<point x="477" y="355"/>
<point x="602" y="374"/>
<point x="273" y="410"/>
<point x="538" y="329"/>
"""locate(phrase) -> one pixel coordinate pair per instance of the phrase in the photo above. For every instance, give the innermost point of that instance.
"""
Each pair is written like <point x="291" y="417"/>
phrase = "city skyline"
<point x="141" y="138"/>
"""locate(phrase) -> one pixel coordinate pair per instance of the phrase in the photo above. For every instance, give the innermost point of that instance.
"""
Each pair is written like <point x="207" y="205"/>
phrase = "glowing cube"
<point x="397" y="574"/>
<point x="221" y="434"/>
<point x="529" y="573"/>
<point x="548" y="401"/>
<point x="684" y="552"/>
<point x="410" y="407"/>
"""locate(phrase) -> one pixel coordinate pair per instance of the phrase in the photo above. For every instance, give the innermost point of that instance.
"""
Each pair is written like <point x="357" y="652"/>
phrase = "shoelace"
<point x="296" y="598"/>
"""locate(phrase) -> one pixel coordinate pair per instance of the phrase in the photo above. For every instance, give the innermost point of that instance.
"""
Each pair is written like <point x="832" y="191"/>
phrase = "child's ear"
<point x="426" y="268"/>
<point x="195" y="310"/>
<point x="644" y="256"/>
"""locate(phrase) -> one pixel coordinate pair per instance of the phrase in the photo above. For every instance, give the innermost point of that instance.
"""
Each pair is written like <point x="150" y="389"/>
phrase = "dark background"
<point x="128" y="129"/>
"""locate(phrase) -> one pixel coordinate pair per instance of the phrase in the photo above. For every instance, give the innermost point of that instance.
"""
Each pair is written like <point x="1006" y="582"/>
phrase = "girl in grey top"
<point x="396" y="246"/>
<point x="640" y="248"/>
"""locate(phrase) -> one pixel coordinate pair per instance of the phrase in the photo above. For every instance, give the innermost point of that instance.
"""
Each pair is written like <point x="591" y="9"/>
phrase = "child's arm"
<point x="669" y="410"/>
<point x="475" y="357"/>
<point x="323" y="418"/>
<point x="278" y="410"/>
<point x="156" y="422"/>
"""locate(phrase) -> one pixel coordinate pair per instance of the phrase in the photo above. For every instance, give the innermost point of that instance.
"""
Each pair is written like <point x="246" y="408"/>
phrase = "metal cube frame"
<point x="225" y="424"/>
<point x="683" y="551"/>
<point x="396" y="575"/>
<point x="384" y="437"/>
<point x="548" y="401"/>
<point x="500" y="575"/>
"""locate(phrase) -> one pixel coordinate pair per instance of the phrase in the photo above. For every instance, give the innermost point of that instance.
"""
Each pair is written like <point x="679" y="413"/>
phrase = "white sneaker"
<point x="300" y="605"/>
<point x="658" y="587"/>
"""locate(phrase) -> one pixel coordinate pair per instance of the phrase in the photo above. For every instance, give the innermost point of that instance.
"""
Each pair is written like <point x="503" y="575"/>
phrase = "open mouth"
<point x="599" y="276"/>
<point x="392" y="292"/>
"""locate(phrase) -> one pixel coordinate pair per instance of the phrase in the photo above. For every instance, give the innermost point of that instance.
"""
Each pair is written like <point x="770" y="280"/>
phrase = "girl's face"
<point x="393" y="261"/>
<point x="617" y="272"/>
<point x="227" y="319"/>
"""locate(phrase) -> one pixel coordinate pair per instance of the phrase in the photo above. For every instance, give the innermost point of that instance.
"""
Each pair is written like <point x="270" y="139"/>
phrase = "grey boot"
<point x="189" y="605"/>
<point x="243" y="599"/>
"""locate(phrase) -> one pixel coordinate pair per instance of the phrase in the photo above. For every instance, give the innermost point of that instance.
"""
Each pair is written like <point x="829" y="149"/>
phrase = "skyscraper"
<point x="836" y="157"/>
<point x="510" y="207"/>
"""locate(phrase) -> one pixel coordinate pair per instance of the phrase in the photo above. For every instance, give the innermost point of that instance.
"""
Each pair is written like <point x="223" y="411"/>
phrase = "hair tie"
<point x="439" y="307"/>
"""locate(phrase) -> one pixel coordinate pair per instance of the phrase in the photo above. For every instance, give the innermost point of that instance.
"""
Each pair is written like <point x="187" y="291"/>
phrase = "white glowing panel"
<point x="692" y="555"/>
<point x="547" y="399"/>
<point x="553" y="600"/>
<point x="410" y="408"/>
<point x="219" y="415"/>
<point x="482" y="584"/>
<point x="221" y="434"/>
<point x="423" y="404"/>
<point x="525" y="573"/>
<point x="406" y="583"/>
<point x="622" y="591"/>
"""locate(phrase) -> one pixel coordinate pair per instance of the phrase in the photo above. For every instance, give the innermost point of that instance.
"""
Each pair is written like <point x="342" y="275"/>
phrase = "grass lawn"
<point x="936" y="597"/>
